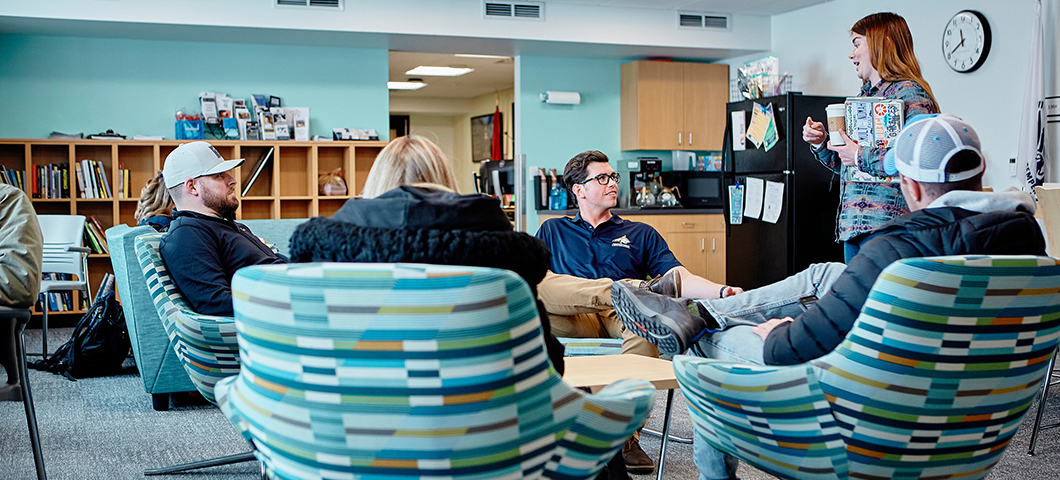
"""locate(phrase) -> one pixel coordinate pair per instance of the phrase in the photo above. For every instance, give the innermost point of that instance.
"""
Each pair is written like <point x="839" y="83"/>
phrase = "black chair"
<point x="21" y="317"/>
<point x="1042" y="397"/>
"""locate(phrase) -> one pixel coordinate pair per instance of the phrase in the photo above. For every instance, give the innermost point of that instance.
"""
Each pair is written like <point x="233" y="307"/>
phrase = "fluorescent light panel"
<point x="426" y="71"/>
<point x="472" y="55"/>
<point x="405" y="85"/>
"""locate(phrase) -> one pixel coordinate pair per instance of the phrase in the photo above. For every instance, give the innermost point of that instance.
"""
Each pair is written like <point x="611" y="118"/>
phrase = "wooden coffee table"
<point x="598" y="371"/>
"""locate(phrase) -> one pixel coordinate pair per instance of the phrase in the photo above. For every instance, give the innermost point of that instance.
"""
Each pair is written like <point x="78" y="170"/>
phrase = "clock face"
<point x="966" y="41"/>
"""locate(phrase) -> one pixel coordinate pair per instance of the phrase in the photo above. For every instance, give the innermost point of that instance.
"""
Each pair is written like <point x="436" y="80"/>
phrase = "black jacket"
<point x="203" y="252"/>
<point x="923" y="233"/>
<point x="420" y="225"/>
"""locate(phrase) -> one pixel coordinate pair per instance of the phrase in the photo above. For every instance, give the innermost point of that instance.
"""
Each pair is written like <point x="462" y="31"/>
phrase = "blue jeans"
<point x="735" y="341"/>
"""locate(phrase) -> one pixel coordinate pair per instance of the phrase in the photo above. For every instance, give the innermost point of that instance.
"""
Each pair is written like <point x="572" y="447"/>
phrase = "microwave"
<point x="697" y="189"/>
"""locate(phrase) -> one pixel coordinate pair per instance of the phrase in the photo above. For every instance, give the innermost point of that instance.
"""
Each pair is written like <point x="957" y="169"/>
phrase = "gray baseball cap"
<point x="927" y="143"/>
<point x="194" y="160"/>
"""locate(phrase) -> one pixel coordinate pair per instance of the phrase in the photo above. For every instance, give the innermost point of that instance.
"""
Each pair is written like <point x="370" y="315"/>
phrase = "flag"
<point x="1031" y="154"/>
<point x="496" y="150"/>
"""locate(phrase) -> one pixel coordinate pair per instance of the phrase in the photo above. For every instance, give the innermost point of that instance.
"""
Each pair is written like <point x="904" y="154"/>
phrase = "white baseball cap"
<point x="194" y="160"/>
<point x="927" y="143"/>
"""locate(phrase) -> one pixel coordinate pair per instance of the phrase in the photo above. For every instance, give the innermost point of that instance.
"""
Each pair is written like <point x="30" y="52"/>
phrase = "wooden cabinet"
<point x="673" y="106"/>
<point x="286" y="187"/>
<point x="698" y="241"/>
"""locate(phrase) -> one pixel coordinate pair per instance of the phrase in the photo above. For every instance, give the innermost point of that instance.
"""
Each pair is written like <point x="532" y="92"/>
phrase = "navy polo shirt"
<point x="615" y="249"/>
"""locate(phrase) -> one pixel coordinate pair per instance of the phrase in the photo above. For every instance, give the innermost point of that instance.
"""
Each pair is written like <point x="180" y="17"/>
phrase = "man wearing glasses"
<point x="602" y="247"/>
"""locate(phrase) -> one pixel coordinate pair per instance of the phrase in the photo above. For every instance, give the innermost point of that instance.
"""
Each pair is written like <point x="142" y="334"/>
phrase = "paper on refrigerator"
<point x="755" y="190"/>
<point x="763" y="128"/>
<point x="735" y="204"/>
<point x="774" y="202"/>
<point x="739" y="130"/>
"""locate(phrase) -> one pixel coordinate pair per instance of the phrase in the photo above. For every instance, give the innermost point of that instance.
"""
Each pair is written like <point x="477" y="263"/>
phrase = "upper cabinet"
<point x="673" y="106"/>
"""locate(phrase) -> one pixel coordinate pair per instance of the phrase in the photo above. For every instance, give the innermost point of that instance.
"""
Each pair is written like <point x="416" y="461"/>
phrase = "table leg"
<point x="665" y="432"/>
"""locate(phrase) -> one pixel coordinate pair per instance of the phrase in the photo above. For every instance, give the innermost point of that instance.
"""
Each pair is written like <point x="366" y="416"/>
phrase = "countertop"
<point x="625" y="212"/>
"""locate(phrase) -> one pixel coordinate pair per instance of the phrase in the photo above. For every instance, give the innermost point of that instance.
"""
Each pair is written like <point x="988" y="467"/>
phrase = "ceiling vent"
<point x="335" y="4"/>
<point x="712" y="21"/>
<point x="513" y="10"/>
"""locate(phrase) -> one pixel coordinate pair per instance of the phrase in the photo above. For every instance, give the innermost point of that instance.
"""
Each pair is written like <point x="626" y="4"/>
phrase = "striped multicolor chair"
<point x="933" y="380"/>
<point x="205" y="344"/>
<point x="411" y="371"/>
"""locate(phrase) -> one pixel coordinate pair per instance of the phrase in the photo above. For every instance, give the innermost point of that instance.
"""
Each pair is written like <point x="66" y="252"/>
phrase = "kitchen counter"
<point x="625" y="212"/>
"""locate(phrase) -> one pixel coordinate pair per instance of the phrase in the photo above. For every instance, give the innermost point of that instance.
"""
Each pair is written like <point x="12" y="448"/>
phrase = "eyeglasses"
<point x="603" y="178"/>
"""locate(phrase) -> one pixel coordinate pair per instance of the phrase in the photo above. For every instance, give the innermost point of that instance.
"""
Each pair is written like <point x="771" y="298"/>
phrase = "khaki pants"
<point x="581" y="308"/>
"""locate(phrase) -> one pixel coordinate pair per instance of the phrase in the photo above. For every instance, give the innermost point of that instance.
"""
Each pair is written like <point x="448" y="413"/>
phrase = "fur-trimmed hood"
<point x="422" y="225"/>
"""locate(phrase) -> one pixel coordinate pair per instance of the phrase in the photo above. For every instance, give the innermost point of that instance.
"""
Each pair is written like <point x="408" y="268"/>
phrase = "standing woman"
<point x="884" y="60"/>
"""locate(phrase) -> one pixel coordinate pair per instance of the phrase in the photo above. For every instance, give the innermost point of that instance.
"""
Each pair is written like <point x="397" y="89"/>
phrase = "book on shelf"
<point x="105" y="286"/>
<point x="64" y="172"/>
<point x="56" y="301"/>
<point x="252" y="175"/>
<point x="123" y="181"/>
<point x="101" y="234"/>
<point x="80" y="181"/>
<point x="12" y="177"/>
<point x="105" y="191"/>
<point x="91" y="241"/>
<point x="89" y="183"/>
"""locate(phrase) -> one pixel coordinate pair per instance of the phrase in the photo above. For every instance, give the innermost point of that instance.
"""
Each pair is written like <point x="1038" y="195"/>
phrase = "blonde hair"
<point x="408" y="160"/>
<point x="154" y="200"/>
<point x="891" y="49"/>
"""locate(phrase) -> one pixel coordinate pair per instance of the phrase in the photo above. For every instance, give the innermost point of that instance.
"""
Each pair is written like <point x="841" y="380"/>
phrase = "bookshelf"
<point x="286" y="187"/>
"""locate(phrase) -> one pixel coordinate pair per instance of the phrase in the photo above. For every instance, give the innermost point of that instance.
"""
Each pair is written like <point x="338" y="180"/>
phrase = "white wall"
<point x="452" y="130"/>
<point x="813" y="44"/>
<point x="397" y="24"/>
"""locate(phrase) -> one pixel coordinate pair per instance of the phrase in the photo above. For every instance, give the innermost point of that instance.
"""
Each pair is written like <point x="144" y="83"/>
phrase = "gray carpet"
<point x="105" y="428"/>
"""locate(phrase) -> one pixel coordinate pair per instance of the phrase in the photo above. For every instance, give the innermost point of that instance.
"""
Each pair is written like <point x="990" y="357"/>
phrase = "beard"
<point x="224" y="207"/>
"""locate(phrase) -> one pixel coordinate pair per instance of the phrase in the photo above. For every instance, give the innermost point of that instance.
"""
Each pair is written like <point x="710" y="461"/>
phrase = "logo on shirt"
<point x="620" y="242"/>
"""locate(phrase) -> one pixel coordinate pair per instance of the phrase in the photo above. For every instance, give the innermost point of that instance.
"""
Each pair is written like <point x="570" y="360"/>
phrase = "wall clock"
<point x="966" y="41"/>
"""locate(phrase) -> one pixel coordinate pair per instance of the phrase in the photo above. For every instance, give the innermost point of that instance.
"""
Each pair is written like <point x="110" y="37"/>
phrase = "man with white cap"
<point x="205" y="246"/>
<point x="808" y="314"/>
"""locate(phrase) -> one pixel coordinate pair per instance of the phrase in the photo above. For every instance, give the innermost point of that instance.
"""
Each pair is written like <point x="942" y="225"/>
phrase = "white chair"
<point x="63" y="253"/>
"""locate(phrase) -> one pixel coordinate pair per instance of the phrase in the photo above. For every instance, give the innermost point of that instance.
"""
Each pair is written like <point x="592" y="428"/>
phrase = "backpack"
<point x="98" y="346"/>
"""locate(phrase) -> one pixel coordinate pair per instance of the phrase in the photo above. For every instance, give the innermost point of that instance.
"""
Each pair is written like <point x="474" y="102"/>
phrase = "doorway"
<point x="443" y="109"/>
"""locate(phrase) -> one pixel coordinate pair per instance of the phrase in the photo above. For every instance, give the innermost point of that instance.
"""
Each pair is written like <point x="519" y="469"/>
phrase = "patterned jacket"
<point x="1007" y="227"/>
<point x="864" y="206"/>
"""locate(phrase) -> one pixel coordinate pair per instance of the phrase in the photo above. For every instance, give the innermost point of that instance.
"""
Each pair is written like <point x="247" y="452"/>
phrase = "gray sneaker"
<point x="667" y="323"/>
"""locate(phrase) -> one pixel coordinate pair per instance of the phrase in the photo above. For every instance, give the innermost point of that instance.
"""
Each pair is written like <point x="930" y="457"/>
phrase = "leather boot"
<point x="637" y="461"/>
<point x="668" y="284"/>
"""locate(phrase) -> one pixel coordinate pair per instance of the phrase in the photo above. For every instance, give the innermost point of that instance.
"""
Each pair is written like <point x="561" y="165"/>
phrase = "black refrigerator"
<point x="758" y="253"/>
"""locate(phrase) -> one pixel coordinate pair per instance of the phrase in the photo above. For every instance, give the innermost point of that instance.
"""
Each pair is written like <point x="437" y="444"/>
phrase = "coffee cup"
<point x="837" y="115"/>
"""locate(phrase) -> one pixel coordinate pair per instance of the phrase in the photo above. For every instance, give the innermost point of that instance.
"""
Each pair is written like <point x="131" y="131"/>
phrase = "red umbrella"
<point x="496" y="150"/>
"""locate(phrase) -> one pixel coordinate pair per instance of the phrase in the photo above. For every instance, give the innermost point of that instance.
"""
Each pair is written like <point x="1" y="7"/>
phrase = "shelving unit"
<point x="286" y="188"/>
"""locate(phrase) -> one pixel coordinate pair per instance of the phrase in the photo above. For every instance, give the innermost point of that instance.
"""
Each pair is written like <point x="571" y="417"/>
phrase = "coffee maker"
<point x="640" y="183"/>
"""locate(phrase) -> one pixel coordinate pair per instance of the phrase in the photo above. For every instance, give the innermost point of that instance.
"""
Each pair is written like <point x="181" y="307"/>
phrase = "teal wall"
<point x="89" y="85"/>
<point x="551" y="134"/>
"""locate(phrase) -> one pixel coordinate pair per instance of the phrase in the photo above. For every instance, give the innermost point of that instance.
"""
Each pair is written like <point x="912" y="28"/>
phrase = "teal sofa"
<point x="160" y="370"/>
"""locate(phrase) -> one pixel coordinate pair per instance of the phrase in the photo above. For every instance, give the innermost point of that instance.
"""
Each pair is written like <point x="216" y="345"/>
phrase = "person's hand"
<point x="763" y="329"/>
<point x="813" y="132"/>
<point x="730" y="291"/>
<point x="848" y="154"/>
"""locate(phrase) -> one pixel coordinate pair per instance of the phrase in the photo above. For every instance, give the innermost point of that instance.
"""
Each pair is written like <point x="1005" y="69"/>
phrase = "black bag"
<point x="98" y="346"/>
